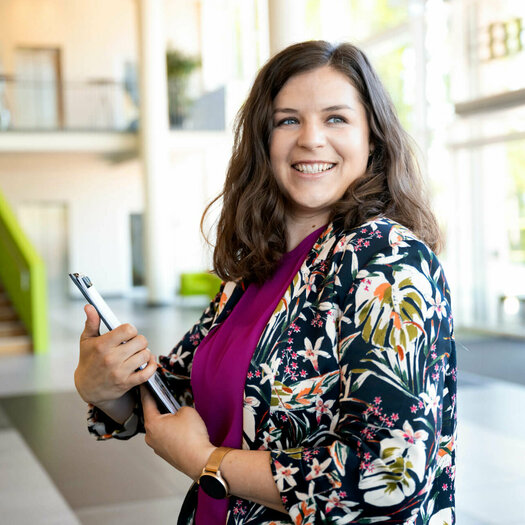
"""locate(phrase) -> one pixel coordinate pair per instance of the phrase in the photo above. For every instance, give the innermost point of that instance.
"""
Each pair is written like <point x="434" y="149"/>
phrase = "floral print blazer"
<point x="352" y="386"/>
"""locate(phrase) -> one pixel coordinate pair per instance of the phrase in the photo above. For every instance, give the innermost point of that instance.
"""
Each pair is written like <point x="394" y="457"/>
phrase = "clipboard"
<point x="155" y="384"/>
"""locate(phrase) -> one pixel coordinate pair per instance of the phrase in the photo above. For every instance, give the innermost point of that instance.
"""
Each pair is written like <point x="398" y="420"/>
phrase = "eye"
<point x="336" y="119"/>
<point x="288" y="121"/>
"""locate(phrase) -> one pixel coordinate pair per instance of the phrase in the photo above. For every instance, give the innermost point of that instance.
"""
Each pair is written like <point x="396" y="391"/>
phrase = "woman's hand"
<point x="181" y="439"/>
<point x="107" y="369"/>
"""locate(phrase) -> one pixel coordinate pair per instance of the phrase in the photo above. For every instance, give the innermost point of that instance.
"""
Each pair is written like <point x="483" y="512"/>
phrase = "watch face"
<point x="213" y="486"/>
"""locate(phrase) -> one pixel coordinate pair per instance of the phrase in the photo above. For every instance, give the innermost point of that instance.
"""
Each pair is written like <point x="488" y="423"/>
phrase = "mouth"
<point x="313" y="167"/>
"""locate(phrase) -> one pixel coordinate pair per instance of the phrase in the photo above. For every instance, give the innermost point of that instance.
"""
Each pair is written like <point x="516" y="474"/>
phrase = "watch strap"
<point x="214" y="461"/>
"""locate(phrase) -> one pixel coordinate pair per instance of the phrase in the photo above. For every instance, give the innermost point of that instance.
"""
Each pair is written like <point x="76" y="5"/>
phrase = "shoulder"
<point x="402" y="260"/>
<point x="369" y="242"/>
<point x="379" y="246"/>
<point x="376" y="235"/>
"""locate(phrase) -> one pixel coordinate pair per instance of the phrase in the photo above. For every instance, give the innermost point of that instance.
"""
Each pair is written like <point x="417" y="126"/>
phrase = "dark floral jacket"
<point x="352" y="386"/>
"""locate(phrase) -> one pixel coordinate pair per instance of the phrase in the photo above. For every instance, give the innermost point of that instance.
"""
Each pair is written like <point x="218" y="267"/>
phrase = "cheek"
<point x="356" y="149"/>
<point x="276" y="143"/>
<point x="278" y="156"/>
<point x="274" y="165"/>
<point x="273" y="153"/>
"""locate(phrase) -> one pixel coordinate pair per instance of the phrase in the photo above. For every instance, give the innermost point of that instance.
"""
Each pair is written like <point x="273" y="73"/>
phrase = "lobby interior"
<point x="75" y="179"/>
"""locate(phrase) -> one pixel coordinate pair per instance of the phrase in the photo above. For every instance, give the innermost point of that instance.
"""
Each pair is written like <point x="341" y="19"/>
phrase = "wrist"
<point x="203" y="460"/>
<point x="118" y="409"/>
<point x="78" y="386"/>
<point x="211" y="481"/>
<point x="89" y="395"/>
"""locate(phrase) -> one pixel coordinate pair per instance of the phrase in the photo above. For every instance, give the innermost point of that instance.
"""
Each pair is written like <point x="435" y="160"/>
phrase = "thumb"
<point x="91" y="328"/>
<point x="149" y="406"/>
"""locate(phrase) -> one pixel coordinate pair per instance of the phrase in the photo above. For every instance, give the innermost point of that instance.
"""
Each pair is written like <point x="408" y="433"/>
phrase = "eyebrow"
<point x="329" y="108"/>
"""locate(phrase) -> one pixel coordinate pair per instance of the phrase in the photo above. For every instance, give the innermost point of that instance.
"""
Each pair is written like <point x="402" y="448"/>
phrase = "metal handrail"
<point x="23" y="275"/>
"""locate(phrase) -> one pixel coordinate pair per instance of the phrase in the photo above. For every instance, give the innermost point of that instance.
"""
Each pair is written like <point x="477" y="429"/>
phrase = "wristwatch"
<point x="211" y="480"/>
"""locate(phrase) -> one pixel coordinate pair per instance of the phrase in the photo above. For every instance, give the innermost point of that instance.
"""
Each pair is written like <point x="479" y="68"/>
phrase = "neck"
<point x="298" y="228"/>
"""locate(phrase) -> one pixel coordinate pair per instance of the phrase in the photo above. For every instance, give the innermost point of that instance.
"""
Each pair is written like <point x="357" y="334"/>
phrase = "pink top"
<point x="221" y="363"/>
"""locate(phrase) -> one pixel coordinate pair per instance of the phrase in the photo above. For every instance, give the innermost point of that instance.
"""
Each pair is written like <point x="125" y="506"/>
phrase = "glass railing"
<point x="23" y="276"/>
<point x="98" y="105"/>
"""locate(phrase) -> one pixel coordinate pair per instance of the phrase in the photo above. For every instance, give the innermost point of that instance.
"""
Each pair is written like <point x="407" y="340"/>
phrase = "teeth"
<point x="313" y="168"/>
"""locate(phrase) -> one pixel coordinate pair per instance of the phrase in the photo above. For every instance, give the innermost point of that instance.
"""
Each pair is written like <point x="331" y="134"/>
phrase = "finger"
<point x="123" y="334"/>
<point x="140" y="360"/>
<point x="133" y="346"/>
<point x="131" y="354"/>
<point x="149" y="407"/>
<point x="138" y="376"/>
<point x="91" y="327"/>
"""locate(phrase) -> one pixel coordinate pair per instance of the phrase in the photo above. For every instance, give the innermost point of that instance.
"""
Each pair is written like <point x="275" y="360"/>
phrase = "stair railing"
<point x="23" y="275"/>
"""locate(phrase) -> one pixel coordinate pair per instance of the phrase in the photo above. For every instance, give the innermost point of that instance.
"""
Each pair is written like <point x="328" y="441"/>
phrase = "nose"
<point x="311" y="136"/>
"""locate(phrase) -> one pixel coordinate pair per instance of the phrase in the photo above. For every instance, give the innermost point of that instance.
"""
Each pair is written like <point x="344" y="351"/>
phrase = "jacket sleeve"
<point x="176" y="369"/>
<point x="395" y="348"/>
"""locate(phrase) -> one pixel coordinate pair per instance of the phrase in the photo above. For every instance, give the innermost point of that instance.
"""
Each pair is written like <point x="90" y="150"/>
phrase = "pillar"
<point x="287" y="23"/>
<point x="154" y="133"/>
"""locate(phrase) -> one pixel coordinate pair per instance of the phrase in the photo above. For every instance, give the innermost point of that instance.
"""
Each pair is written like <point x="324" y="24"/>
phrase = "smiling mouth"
<point x="311" y="168"/>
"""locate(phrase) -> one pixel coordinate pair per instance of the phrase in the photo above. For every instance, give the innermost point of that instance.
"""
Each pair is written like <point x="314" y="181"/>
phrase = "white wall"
<point x="96" y="37"/>
<point x="183" y="25"/>
<point x="84" y="31"/>
<point x="100" y="196"/>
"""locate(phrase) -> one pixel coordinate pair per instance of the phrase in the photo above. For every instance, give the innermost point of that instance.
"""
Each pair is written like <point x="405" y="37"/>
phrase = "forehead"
<point x="323" y="87"/>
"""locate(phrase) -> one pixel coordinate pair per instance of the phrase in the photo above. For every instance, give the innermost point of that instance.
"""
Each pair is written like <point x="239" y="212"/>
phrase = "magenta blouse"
<point x="221" y="363"/>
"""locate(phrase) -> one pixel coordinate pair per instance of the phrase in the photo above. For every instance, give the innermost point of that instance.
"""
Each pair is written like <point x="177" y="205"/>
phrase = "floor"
<point x="53" y="472"/>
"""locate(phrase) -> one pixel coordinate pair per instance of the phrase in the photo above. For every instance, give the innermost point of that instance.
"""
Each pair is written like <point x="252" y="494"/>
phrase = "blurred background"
<point x="115" y="132"/>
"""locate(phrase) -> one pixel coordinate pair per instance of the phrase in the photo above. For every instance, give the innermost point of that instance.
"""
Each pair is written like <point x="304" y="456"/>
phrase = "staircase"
<point x="13" y="335"/>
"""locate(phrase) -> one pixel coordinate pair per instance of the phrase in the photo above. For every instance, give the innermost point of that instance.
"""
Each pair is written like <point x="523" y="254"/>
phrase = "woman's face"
<point x="319" y="143"/>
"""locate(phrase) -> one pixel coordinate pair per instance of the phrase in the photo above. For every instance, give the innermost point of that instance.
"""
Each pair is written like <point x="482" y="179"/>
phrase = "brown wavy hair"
<point x="251" y="235"/>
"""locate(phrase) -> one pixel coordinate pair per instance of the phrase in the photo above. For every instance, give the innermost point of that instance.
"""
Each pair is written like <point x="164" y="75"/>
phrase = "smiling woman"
<point x="319" y="145"/>
<point x="320" y="382"/>
<point x="339" y="86"/>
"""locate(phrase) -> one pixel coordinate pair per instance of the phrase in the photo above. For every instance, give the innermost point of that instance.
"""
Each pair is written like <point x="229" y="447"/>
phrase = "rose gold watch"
<point x="210" y="479"/>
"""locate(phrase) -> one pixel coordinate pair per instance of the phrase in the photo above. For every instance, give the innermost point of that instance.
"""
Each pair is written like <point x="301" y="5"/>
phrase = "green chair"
<point x="199" y="283"/>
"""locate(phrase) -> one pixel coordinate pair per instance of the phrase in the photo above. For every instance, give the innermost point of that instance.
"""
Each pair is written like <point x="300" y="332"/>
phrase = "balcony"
<point x="98" y="115"/>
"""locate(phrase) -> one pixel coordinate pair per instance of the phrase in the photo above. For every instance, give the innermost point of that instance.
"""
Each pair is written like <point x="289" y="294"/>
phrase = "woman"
<point x="326" y="363"/>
